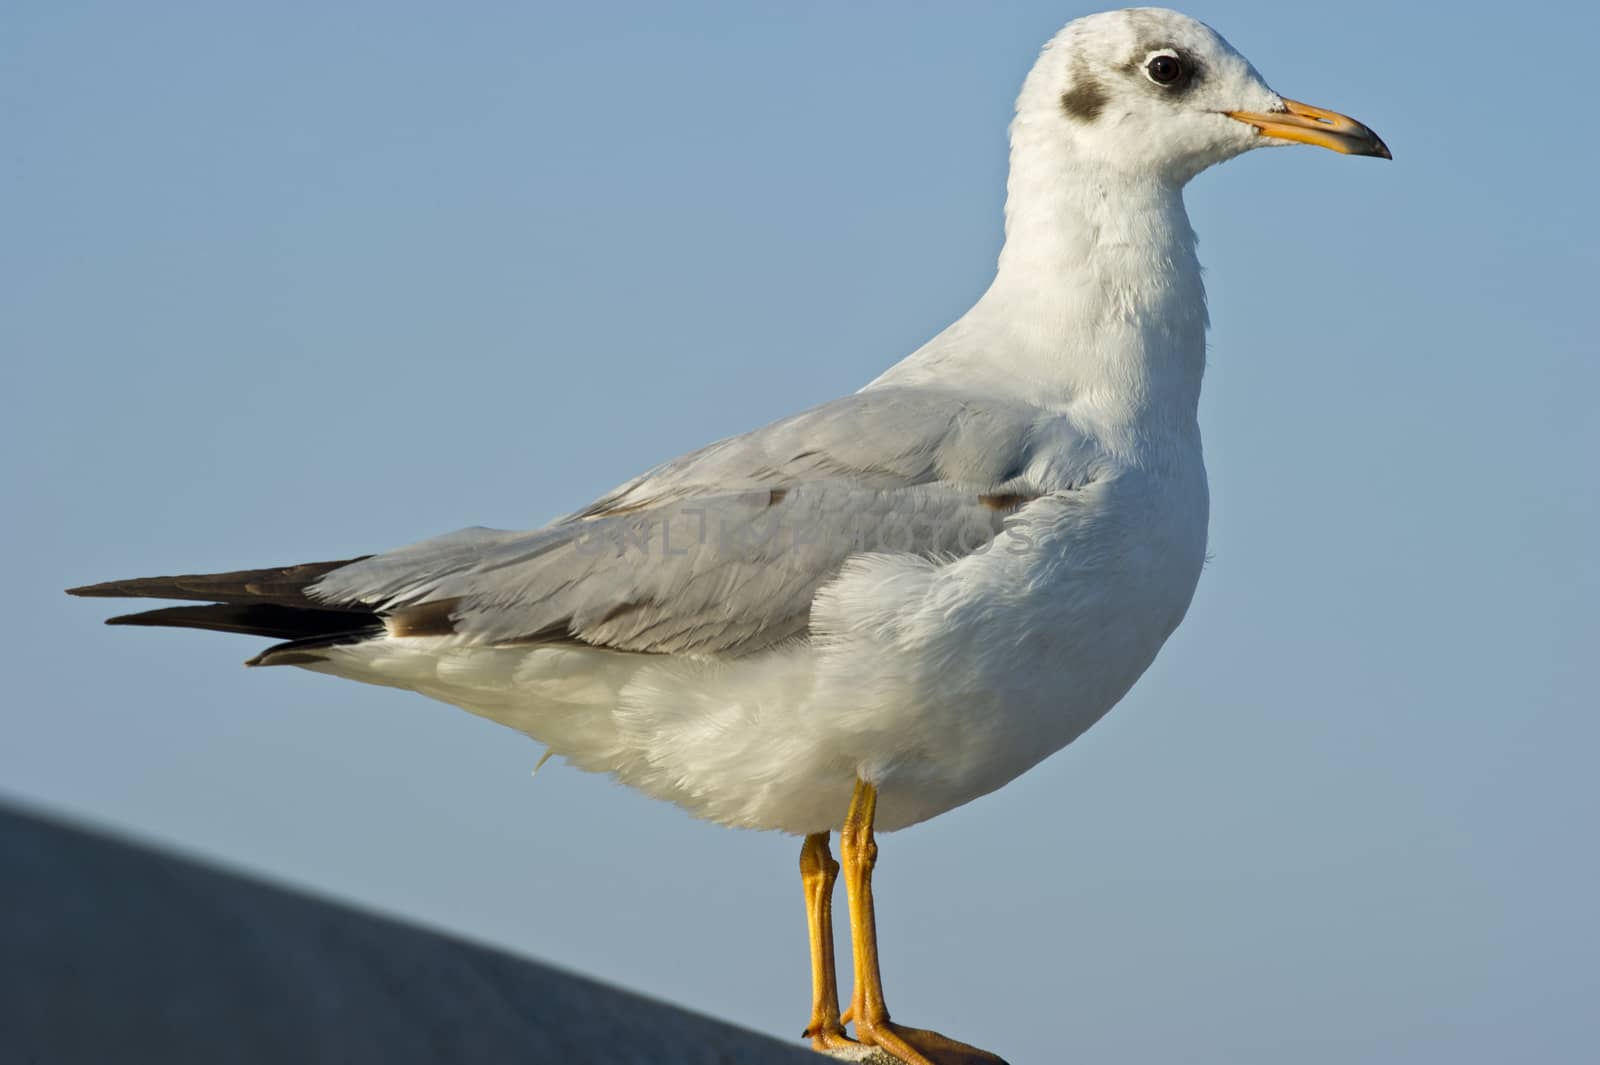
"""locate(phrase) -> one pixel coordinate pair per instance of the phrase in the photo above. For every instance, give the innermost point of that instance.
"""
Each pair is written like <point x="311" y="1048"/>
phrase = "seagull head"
<point x="1146" y="91"/>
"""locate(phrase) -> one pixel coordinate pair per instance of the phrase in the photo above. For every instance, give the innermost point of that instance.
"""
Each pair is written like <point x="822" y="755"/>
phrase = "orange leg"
<point x="914" y="1046"/>
<point x="818" y="871"/>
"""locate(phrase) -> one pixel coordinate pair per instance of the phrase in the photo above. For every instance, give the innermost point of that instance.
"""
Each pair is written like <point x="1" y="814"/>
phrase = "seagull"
<point x="868" y="613"/>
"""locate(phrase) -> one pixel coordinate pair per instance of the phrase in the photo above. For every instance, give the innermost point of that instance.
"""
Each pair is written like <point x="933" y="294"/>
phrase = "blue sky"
<point x="302" y="281"/>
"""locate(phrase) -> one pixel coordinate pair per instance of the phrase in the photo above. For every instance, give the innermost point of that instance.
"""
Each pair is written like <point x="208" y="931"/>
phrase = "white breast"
<point x="938" y="682"/>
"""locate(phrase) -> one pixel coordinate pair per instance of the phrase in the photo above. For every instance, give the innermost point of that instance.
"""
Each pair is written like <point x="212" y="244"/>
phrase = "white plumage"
<point x="929" y="585"/>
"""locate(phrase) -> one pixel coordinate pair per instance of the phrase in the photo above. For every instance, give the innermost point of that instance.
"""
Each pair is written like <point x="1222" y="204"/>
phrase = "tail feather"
<point x="306" y="651"/>
<point x="271" y="602"/>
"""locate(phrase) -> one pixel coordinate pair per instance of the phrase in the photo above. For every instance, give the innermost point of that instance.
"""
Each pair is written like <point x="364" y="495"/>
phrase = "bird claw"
<point x="827" y="1038"/>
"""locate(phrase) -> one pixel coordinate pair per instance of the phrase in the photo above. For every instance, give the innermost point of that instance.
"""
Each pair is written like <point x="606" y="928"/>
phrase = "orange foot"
<point x="919" y="1046"/>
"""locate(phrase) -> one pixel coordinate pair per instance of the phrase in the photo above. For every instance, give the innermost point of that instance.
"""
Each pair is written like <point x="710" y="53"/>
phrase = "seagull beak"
<point x="1312" y="125"/>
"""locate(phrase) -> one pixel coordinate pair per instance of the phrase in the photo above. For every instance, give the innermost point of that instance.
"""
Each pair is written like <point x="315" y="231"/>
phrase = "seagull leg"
<point x="914" y="1046"/>
<point x="818" y="871"/>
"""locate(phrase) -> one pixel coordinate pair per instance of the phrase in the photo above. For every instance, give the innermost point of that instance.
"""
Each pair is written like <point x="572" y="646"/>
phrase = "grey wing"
<point x="721" y="551"/>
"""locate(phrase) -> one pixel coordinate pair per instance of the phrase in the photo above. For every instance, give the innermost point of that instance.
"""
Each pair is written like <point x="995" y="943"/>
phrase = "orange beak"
<point x="1312" y="125"/>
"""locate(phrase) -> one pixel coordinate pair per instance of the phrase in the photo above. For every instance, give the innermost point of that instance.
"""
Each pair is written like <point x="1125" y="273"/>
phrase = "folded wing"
<point x="719" y="552"/>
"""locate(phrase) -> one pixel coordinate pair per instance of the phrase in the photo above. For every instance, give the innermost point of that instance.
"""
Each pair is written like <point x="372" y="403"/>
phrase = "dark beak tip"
<point x="1374" y="145"/>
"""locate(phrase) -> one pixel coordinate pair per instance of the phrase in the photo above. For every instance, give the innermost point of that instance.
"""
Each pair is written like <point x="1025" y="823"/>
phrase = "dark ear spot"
<point x="1085" y="100"/>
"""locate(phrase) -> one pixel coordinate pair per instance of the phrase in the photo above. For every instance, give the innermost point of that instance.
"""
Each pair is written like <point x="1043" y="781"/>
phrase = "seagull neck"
<point x="1098" y="304"/>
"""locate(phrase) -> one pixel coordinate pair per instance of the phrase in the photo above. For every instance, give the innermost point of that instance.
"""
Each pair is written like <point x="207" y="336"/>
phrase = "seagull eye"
<point x="1164" y="69"/>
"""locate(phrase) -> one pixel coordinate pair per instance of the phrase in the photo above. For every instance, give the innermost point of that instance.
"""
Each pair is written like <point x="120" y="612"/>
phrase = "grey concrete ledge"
<point x="110" y="952"/>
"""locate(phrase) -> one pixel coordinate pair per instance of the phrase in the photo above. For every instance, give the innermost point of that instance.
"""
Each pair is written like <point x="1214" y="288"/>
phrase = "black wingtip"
<point x="281" y="585"/>
<point x="134" y="588"/>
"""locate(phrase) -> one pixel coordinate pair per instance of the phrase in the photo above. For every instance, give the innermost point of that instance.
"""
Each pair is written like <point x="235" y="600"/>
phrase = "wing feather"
<point x="722" y="551"/>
